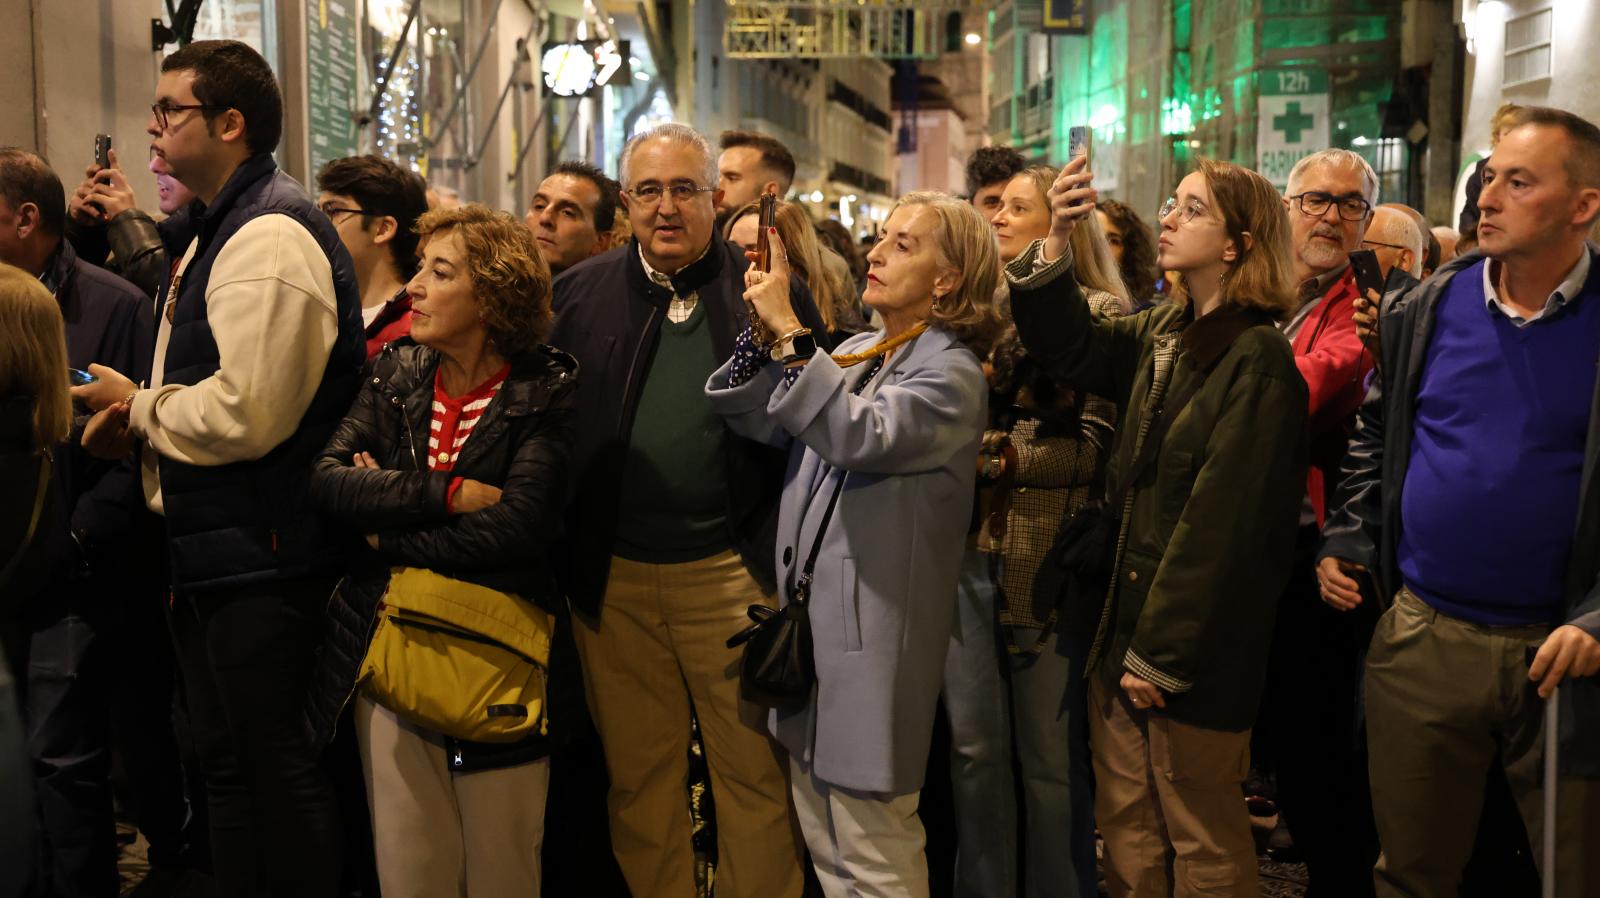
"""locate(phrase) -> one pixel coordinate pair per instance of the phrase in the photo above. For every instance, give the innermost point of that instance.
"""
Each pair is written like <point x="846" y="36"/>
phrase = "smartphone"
<point x="80" y="378"/>
<point x="1078" y="139"/>
<point x="767" y="219"/>
<point x="1369" y="274"/>
<point x="102" y="150"/>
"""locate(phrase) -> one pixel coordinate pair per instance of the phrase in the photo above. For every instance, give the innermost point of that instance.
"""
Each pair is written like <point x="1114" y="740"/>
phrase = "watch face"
<point x="805" y="345"/>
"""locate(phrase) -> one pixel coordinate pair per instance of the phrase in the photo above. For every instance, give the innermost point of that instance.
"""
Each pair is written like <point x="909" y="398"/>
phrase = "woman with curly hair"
<point x="1134" y="249"/>
<point x="453" y="459"/>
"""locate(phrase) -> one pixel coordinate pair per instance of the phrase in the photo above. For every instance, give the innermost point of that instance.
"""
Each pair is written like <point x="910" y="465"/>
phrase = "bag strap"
<point x="801" y="593"/>
<point x="33" y="519"/>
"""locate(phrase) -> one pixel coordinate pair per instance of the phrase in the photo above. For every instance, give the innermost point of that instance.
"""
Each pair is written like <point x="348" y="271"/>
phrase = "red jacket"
<point x="1335" y="366"/>
<point x="391" y="324"/>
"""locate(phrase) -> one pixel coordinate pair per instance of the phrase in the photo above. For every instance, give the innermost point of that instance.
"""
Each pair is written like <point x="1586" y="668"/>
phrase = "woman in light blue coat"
<point x="892" y="423"/>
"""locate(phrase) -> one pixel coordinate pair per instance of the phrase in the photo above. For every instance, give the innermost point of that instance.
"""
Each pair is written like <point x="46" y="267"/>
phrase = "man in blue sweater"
<point x="1471" y="499"/>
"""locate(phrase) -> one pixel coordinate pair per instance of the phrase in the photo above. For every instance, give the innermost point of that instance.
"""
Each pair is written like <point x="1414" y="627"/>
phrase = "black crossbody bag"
<point x="778" y="668"/>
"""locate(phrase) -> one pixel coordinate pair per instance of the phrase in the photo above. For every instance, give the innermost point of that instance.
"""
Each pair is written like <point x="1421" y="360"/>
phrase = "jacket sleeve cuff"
<point x="1139" y="667"/>
<point x="1030" y="271"/>
<point x="450" y="494"/>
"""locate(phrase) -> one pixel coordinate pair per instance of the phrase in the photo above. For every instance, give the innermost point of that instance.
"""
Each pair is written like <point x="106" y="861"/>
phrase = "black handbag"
<point x="778" y="668"/>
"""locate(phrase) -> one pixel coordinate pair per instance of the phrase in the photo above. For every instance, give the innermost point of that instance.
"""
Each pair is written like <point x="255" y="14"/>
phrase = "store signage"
<point x="330" y="80"/>
<point x="1065" y="17"/>
<point x="573" y="69"/>
<point x="1292" y="119"/>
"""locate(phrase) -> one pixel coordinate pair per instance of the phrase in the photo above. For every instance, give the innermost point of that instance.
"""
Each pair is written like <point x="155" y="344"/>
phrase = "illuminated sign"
<point x="573" y="69"/>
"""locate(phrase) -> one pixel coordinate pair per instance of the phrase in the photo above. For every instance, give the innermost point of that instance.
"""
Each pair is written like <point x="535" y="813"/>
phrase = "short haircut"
<point x="991" y="165"/>
<point x="510" y="279"/>
<point x="1583" y="158"/>
<point x="605" y="211"/>
<point x="231" y="75"/>
<point x="381" y="187"/>
<point x="26" y="178"/>
<point x="1338" y="158"/>
<point x="674" y="133"/>
<point x="775" y="157"/>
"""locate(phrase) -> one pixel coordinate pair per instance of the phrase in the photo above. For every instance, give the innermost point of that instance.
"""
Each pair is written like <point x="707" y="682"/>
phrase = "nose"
<point x="668" y="205"/>
<point x="998" y="219"/>
<point x="875" y="255"/>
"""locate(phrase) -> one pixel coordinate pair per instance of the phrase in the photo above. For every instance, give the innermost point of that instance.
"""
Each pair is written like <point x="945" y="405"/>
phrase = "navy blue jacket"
<point x="253" y="521"/>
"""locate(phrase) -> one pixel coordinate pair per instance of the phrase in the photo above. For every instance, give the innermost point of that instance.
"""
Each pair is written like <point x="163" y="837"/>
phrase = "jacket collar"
<point x="408" y="370"/>
<point x="59" y="272"/>
<point x="687" y="281"/>
<point x="243" y="178"/>
<point x="1207" y="338"/>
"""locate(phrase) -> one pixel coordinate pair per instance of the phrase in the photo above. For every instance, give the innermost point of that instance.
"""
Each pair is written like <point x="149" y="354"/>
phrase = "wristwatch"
<point x="794" y="346"/>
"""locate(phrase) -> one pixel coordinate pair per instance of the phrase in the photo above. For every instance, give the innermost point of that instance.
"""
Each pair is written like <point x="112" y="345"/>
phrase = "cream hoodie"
<point x="270" y="303"/>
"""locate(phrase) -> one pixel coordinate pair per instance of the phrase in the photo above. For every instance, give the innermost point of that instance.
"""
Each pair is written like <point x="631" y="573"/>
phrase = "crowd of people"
<point x="376" y="538"/>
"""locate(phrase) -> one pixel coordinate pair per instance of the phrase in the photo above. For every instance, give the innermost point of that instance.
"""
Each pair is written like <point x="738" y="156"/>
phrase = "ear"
<point x="602" y="243"/>
<point x="27" y="219"/>
<point x="772" y="188"/>
<point x="716" y="197"/>
<point x="1232" y="250"/>
<point x="230" y="126"/>
<point x="947" y="282"/>
<point x="1587" y="206"/>
<point x="386" y="230"/>
<point x="627" y="201"/>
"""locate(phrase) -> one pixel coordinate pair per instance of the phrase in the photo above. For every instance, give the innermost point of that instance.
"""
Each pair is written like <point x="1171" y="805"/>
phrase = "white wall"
<point x="1574" y="64"/>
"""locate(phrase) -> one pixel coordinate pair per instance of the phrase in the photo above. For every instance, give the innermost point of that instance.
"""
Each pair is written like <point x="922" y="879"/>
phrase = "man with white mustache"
<point x="1308" y="710"/>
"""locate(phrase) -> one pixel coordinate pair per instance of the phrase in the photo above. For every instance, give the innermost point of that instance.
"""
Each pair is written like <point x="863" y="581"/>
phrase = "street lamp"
<point x="974" y="38"/>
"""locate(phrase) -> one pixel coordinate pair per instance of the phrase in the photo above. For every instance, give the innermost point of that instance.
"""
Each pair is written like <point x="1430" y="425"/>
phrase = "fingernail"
<point x="772" y="230"/>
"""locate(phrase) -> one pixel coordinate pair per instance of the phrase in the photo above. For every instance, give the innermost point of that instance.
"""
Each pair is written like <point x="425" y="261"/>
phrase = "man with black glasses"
<point x="672" y="530"/>
<point x="374" y="205"/>
<point x="258" y="355"/>
<point x="1308" y="709"/>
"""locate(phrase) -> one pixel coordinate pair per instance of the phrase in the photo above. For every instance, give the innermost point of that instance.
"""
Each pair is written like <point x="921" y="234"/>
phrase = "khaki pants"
<point x="660" y="647"/>
<point x="1169" y="803"/>
<point x="439" y="834"/>
<point x="1443" y="696"/>
<point x="863" y="845"/>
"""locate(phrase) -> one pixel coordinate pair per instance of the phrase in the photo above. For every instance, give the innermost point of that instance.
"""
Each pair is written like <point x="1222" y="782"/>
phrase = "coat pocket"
<point x="850" y="604"/>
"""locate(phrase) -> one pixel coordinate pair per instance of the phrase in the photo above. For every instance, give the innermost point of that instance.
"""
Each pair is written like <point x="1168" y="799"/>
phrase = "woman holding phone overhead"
<point x="1203" y="493"/>
<point x="881" y="438"/>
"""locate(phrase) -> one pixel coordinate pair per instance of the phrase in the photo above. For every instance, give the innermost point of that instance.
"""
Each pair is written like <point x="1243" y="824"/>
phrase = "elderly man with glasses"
<point x="672" y="530"/>
<point x="1305" y="731"/>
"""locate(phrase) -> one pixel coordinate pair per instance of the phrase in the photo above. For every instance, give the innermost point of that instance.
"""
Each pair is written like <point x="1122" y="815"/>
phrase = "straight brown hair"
<point x="1262" y="277"/>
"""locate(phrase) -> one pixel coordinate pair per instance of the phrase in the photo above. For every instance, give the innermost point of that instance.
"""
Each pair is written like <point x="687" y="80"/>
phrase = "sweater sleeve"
<point x="270" y="303"/>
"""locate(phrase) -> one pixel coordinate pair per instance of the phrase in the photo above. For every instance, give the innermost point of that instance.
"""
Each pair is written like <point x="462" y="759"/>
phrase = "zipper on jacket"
<point x="411" y="439"/>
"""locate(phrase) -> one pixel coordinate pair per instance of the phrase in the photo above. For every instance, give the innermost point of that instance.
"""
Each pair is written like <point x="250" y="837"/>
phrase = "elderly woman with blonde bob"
<point x="1203" y="493"/>
<point x="883" y="433"/>
<point x="452" y="459"/>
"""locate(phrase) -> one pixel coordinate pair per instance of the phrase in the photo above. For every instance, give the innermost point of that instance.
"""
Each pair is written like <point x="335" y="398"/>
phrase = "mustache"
<point x="1325" y="230"/>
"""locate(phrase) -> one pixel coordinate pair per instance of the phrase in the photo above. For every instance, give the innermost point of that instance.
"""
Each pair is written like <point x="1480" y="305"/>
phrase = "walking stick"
<point x="1552" y="746"/>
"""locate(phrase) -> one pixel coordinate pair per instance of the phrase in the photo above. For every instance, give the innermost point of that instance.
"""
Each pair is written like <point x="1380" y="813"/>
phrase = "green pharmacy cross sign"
<point x="1292" y="112"/>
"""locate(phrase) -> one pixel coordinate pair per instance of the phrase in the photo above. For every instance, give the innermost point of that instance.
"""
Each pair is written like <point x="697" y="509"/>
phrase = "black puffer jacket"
<point x="522" y="444"/>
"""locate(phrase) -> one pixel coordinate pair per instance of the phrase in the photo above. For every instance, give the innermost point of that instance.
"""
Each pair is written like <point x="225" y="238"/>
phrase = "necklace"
<point x="881" y="347"/>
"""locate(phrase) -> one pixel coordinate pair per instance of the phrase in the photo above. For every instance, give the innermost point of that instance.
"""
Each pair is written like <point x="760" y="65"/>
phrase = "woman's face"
<point x="905" y="269"/>
<point x="1023" y="217"/>
<point x="745" y="231"/>
<point x="444" y="309"/>
<point x="1113" y="235"/>
<point x="1192" y="234"/>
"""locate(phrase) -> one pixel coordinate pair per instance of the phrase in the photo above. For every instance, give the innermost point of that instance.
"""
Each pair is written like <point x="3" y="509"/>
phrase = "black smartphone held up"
<point x="80" y="378"/>
<point x="102" y="150"/>
<point x="1369" y="274"/>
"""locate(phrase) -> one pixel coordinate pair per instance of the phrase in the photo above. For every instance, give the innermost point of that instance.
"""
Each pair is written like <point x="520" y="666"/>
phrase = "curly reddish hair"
<point x="510" y="278"/>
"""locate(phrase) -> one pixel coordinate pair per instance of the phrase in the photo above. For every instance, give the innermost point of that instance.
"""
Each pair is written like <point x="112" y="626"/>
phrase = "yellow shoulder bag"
<point x="462" y="659"/>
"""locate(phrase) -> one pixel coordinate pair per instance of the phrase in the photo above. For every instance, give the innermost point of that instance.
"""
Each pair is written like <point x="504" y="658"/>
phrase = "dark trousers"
<point x="246" y="656"/>
<point x="1308" y="733"/>
<point x="69" y="740"/>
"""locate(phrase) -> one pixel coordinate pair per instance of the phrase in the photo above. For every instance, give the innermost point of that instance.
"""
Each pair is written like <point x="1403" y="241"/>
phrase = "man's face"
<point x="1386" y="239"/>
<point x="187" y="141"/>
<point x="171" y="195"/>
<point x="365" y="236"/>
<point x="1528" y="200"/>
<point x="741" y="178"/>
<point x="561" y="218"/>
<point x="673" y="231"/>
<point x="1324" y="242"/>
<point x="987" y="199"/>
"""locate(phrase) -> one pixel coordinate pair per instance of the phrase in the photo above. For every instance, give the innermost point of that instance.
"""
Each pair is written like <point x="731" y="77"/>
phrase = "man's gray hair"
<point x="1336" y="157"/>
<point x="672" y="132"/>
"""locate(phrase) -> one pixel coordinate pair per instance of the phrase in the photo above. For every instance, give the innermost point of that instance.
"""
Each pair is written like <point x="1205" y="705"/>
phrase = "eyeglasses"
<point x="1381" y="243"/>
<point x="1315" y="203"/>
<point x="682" y="192"/>
<point x="1195" y="209"/>
<point x="163" y="111"/>
<point x="331" y="210"/>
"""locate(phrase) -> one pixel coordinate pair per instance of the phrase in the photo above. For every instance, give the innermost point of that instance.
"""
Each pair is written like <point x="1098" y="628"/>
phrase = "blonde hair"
<point x="1093" y="265"/>
<point x="1262" y="277"/>
<point x="510" y="279"/>
<point x="966" y="243"/>
<point x="33" y="354"/>
<point x="799" y="238"/>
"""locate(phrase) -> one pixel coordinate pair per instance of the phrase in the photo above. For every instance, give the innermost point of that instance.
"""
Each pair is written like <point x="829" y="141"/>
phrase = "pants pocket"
<point x="1198" y="757"/>
<point x="1208" y="875"/>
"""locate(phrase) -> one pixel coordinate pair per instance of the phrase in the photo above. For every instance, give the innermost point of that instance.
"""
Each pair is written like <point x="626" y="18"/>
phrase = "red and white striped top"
<point x="455" y="417"/>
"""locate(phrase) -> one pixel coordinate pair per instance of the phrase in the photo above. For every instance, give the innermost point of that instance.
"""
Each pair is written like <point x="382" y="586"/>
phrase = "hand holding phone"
<point x="102" y="150"/>
<point x="1369" y="274"/>
<point x="80" y="378"/>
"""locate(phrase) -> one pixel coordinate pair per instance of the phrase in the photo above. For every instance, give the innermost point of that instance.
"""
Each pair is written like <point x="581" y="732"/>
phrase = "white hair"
<point x="672" y="132"/>
<point x="1333" y="156"/>
<point x="1400" y="229"/>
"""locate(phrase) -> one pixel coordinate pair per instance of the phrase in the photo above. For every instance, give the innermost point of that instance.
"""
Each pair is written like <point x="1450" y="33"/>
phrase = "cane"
<point x="1552" y="746"/>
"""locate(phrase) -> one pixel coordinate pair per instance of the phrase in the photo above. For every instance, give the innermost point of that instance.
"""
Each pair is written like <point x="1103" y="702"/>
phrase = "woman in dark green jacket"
<point x="1200" y="543"/>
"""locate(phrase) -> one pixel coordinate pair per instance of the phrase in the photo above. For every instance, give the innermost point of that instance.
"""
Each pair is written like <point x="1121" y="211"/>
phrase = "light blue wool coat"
<point x="883" y="597"/>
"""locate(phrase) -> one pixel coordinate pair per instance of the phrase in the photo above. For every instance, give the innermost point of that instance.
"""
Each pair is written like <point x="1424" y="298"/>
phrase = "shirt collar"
<point x="1565" y="292"/>
<point x="1313" y="289"/>
<point x="661" y="279"/>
